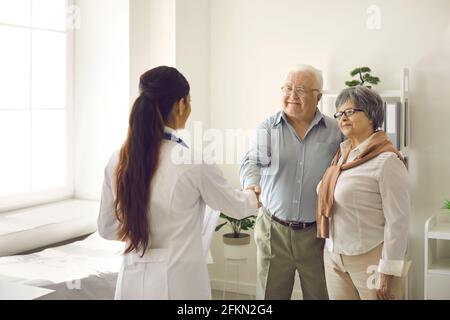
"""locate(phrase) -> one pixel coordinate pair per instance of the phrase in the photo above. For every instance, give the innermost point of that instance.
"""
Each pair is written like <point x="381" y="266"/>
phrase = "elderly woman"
<point x="364" y="205"/>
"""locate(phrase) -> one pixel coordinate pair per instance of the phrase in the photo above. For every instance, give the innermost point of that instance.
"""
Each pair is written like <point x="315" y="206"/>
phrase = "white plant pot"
<point x="236" y="248"/>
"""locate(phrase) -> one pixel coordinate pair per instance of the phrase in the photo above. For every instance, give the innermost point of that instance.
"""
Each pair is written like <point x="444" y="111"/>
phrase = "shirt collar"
<point x="318" y="117"/>
<point x="358" y="150"/>
<point x="279" y="117"/>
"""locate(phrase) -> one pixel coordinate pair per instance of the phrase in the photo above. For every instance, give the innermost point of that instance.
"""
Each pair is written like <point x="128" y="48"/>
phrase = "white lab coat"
<point x="174" y="265"/>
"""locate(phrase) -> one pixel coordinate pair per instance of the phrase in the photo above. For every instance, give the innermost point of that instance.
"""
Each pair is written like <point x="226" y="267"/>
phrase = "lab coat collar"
<point x="170" y="130"/>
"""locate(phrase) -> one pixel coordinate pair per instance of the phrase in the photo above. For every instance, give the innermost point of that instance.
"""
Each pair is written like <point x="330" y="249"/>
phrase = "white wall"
<point x="192" y="55"/>
<point x="253" y="43"/>
<point x="140" y="47"/>
<point x="101" y="89"/>
<point x="162" y="32"/>
<point x="173" y="33"/>
<point x="152" y="38"/>
<point x="117" y="42"/>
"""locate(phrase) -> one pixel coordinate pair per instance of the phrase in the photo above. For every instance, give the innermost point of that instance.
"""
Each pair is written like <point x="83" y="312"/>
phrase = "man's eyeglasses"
<point x="299" y="91"/>
<point x="347" y="113"/>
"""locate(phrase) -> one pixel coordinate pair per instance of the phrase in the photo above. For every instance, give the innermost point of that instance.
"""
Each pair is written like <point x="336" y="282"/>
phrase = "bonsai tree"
<point x="446" y="205"/>
<point x="364" y="76"/>
<point x="237" y="225"/>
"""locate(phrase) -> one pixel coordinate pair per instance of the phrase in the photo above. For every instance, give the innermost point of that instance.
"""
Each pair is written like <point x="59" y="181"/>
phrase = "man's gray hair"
<point x="365" y="99"/>
<point x="306" y="67"/>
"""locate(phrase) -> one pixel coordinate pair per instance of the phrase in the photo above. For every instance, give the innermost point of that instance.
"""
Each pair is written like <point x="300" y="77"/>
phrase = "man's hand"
<point x="384" y="292"/>
<point x="257" y="190"/>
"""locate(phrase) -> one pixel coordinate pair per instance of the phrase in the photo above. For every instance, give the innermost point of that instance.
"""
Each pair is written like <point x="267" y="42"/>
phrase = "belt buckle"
<point x="296" y="225"/>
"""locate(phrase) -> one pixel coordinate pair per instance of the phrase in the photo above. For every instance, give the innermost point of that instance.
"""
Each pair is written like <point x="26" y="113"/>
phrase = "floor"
<point x="225" y="295"/>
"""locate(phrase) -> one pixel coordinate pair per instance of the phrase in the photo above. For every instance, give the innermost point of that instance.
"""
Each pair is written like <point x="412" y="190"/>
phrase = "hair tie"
<point x="148" y="94"/>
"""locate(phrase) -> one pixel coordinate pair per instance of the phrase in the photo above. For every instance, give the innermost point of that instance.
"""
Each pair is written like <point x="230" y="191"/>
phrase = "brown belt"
<point x="293" y="224"/>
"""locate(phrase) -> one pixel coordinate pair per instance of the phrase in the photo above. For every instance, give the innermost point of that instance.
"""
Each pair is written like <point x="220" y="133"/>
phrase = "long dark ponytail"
<point x="159" y="88"/>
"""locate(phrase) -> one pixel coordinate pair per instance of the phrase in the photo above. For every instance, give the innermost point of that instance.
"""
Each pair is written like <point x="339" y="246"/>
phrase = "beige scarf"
<point x="378" y="144"/>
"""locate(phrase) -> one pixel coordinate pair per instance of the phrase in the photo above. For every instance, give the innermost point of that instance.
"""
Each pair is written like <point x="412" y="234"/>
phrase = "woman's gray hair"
<point x="307" y="68"/>
<point x="365" y="99"/>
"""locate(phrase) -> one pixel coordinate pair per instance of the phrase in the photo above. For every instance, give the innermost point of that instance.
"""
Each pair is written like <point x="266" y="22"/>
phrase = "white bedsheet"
<point x="84" y="269"/>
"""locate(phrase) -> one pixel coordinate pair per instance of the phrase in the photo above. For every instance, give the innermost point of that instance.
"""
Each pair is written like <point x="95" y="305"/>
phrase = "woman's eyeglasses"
<point x="347" y="113"/>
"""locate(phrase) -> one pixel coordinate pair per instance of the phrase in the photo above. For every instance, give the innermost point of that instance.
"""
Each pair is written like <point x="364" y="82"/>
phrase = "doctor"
<point x="156" y="205"/>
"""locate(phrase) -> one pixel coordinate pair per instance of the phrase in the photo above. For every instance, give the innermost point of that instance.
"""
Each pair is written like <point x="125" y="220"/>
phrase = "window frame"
<point x="33" y="198"/>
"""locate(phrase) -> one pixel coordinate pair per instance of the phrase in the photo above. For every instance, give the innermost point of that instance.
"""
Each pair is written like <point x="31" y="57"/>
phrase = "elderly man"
<point x="285" y="163"/>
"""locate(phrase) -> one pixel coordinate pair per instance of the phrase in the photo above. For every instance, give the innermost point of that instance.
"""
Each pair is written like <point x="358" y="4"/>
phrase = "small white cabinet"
<point x="437" y="257"/>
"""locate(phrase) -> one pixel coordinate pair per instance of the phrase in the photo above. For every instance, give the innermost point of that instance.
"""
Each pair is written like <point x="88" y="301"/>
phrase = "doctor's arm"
<point x="220" y="195"/>
<point x="107" y="222"/>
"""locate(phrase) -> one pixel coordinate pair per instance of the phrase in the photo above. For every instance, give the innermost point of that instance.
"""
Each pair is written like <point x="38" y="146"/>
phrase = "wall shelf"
<point x="383" y="93"/>
<point x="440" y="266"/>
<point x="437" y="260"/>
<point x="440" y="231"/>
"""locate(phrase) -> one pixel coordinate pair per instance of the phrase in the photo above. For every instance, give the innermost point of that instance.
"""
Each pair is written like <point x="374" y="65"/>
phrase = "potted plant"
<point x="235" y="243"/>
<point x="364" y="76"/>
<point x="446" y="205"/>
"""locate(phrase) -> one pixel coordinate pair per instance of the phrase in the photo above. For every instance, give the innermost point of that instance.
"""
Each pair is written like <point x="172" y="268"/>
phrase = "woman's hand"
<point x="384" y="292"/>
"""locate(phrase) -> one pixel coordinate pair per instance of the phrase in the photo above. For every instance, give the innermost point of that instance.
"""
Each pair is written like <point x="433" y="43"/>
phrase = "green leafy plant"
<point x="237" y="225"/>
<point x="364" y="77"/>
<point x="446" y="205"/>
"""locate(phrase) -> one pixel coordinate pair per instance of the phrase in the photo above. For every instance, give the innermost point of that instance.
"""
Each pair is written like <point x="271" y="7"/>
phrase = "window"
<point x="34" y="102"/>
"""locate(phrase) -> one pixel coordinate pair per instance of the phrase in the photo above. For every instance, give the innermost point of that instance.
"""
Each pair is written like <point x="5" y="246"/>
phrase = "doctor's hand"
<point x="384" y="292"/>
<point x="257" y="190"/>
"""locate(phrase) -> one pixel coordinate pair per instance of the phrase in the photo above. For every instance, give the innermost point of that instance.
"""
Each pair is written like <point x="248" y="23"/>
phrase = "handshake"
<point x="257" y="190"/>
